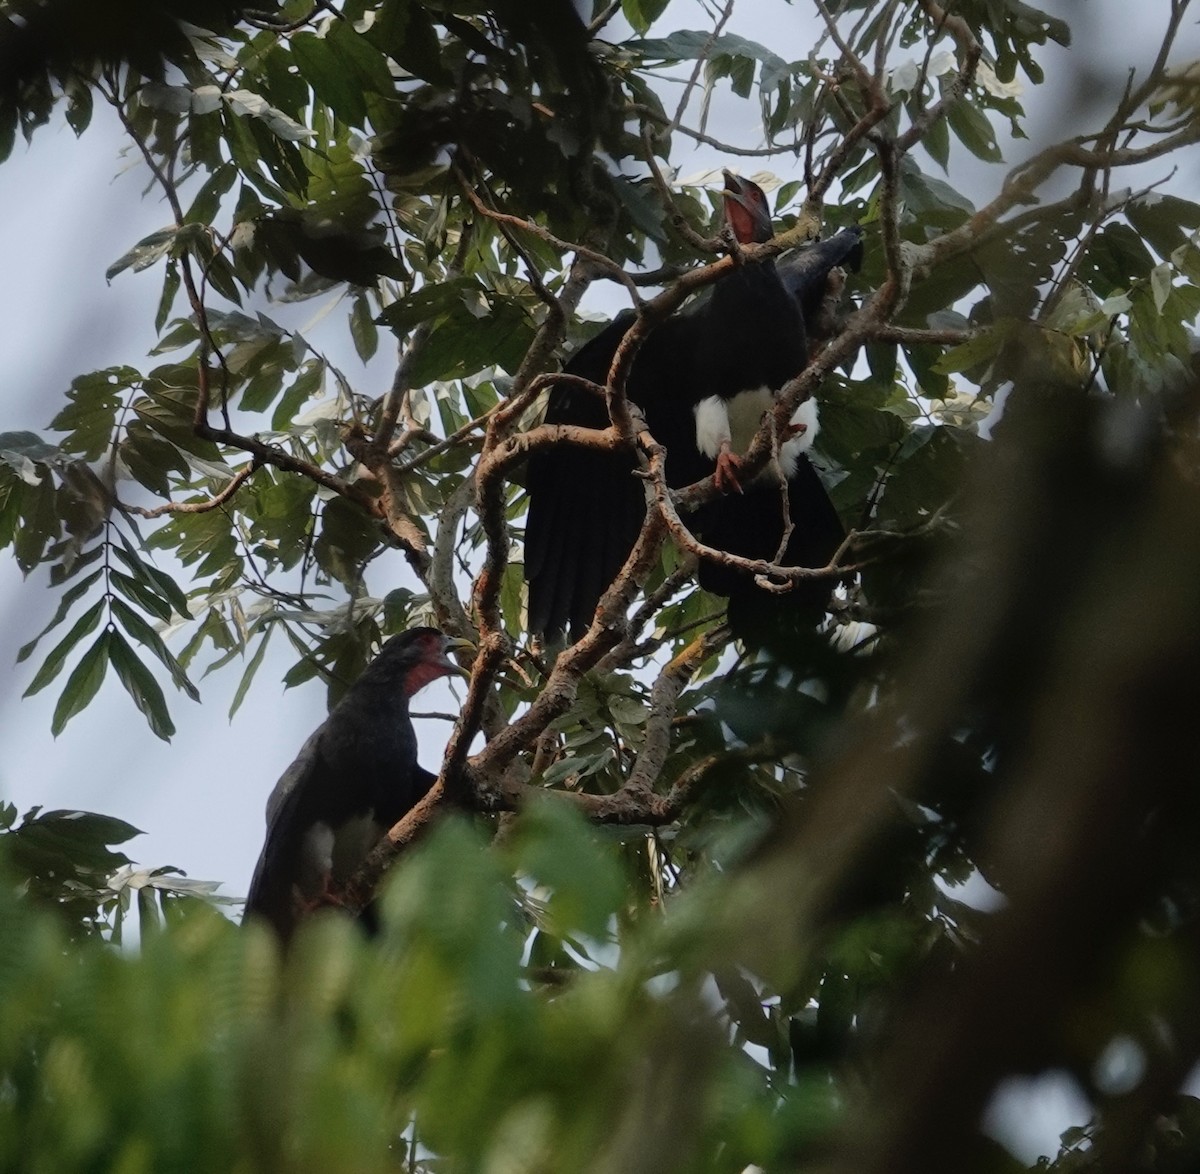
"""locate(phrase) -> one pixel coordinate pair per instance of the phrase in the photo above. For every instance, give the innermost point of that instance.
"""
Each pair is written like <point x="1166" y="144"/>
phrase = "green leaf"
<point x="327" y="245"/>
<point x="144" y="634"/>
<point x="429" y="301"/>
<point x="65" y="604"/>
<point x="986" y="345"/>
<point x="404" y="31"/>
<point x="160" y="96"/>
<point x="83" y="683"/>
<point x="155" y="579"/>
<point x="207" y="203"/>
<point x="90" y="416"/>
<point x="1161" y="279"/>
<point x="140" y="684"/>
<point x="974" y="131"/>
<point x="464" y="344"/>
<point x="361" y="58"/>
<point x="20" y="451"/>
<point x="145" y="253"/>
<point x="1163" y="222"/>
<point x="325" y="70"/>
<point x="937" y="142"/>
<point x="79" y="104"/>
<point x="68" y="844"/>
<point x="555" y="845"/>
<point x="931" y="473"/>
<point x="641" y="14"/>
<point x="169" y="290"/>
<point x="150" y="920"/>
<point x="362" y="329"/>
<point x="692" y="44"/>
<point x="40" y="523"/>
<point x="137" y="591"/>
<point x="308" y="385"/>
<point x="251" y="669"/>
<point x="150" y="459"/>
<point x="53" y="663"/>
<point x="510" y="596"/>
<point x="1077" y="312"/>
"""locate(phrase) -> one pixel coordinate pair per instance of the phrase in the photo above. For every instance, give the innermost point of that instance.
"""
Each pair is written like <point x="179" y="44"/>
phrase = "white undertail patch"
<point x="317" y="849"/>
<point x="712" y="425"/>
<point x="738" y="419"/>
<point x="790" y="450"/>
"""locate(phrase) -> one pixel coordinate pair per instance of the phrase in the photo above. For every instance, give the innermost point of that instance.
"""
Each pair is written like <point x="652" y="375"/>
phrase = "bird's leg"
<point x="325" y="898"/>
<point x="729" y="469"/>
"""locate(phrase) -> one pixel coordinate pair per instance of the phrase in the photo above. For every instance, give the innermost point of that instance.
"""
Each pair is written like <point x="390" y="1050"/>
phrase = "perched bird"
<point x="353" y="779"/>
<point x="697" y="376"/>
<point x="703" y="379"/>
<point x="752" y="524"/>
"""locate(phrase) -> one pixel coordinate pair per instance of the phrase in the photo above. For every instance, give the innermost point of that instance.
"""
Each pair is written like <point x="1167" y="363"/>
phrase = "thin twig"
<point x="196" y="507"/>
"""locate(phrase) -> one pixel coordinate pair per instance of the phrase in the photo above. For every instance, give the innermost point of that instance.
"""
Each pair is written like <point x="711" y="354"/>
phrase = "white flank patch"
<point x="790" y="450"/>
<point x="318" y="847"/>
<point x="738" y="419"/>
<point x="712" y="425"/>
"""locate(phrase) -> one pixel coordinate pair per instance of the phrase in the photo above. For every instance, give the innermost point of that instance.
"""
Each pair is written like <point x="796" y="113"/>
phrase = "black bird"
<point x="752" y="524"/>
<point x="353" y="779"/>
<point x="699" y="377"/>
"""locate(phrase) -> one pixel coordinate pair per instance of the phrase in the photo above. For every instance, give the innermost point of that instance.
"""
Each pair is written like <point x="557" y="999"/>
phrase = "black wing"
<point x="585" y="507"/>
<point x="353" y="779"/>
<point x="805" y="275"/>
<point x="292" y="811"/>
<point x="752" y="526"/>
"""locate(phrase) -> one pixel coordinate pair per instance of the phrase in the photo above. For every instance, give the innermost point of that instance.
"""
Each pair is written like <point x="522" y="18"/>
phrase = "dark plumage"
<point x="751" y="525"/>
<point x="807" y="275"/>
<point x="353" y="779"/>
<point x="690" y="378"/>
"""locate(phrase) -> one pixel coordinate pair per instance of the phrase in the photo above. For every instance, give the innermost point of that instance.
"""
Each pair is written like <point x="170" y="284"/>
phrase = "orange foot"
<point x="728" y="472"/>
<point x="326" y="898"/>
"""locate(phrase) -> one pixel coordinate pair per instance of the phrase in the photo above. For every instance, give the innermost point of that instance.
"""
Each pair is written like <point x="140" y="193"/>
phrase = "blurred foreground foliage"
<point x="497" y="1014"/>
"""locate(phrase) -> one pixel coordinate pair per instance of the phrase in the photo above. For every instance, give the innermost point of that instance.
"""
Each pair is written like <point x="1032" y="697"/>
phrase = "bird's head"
<point x="746" y="210"/>
<point x="410" y="660"/>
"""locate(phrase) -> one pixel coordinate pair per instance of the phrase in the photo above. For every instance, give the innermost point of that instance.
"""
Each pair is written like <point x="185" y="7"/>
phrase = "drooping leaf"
<point x="67" y="600"/>
<point x="145" y="253"/>
<point x="641" y="14"/>
<point x="145" y="635"/>
<point x="83" y="683"/>
<point x="140" y="684"/>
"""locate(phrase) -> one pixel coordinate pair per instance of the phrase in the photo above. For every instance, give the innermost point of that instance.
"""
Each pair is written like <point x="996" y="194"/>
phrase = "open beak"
<point x="735" y="189"/>
<point x="746" y="210"/>
<point x="456" y="644"/>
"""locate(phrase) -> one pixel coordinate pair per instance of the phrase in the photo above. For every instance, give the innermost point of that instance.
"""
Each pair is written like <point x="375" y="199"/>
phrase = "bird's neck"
<point x="420" y="676"/>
